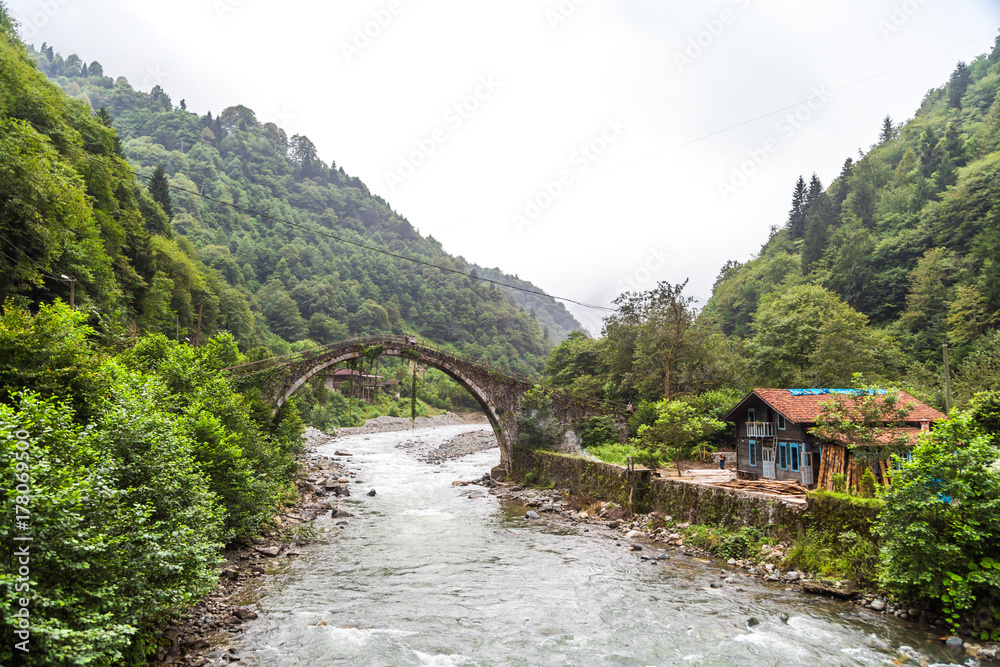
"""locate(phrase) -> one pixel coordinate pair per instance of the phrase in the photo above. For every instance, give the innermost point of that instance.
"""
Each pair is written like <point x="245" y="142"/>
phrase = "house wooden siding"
<point x="818" y="461"/>
<point x="798" y="446"/>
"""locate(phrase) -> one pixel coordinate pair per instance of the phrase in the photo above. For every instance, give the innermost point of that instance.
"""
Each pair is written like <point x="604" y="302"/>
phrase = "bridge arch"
<point x="482" y="397"/>
<point x="498" y="394"/>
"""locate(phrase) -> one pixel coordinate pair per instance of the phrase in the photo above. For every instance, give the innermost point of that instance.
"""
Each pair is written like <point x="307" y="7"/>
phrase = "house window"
<point x="793" y="450"/>
<point x="752" y="445"/>
<point x="783" y="455"/>
<point x="781" y="422"/>
<point x="751" y="415"/>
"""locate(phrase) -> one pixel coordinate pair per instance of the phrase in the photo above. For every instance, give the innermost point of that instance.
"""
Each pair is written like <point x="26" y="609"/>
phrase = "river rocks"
<point x="793" y="576"/>
<point x="878" y="604"/>
<point x="268" y="551"/>
<point x="614" y="524"/>
<point x="372" y="492"/>
<point x="953" y="641"/>
<point x="341" y="452"/>
<point x="340" y="514"/>
<point x="752" y="621"/>
<point x="716" y="584"/>
<point x="532" y="515"/>
<point x="632" y="534"/>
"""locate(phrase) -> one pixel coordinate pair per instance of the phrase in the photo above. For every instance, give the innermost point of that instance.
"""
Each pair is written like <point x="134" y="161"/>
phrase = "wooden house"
<point x="773" y="439"/>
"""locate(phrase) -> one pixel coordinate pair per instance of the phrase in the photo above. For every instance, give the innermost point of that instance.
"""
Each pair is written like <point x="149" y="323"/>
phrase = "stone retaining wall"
<point x="696" y="503"/>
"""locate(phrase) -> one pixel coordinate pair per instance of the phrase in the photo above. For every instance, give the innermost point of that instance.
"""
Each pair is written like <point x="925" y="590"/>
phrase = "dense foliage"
<point x="129" y="500"/>
<point x="940" y="528"/>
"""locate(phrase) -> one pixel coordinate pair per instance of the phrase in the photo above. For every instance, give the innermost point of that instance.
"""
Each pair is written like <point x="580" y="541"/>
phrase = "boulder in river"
<point x="532" y="514"/>
<point x="341" y="452"/>
<point x="372" y="492"/>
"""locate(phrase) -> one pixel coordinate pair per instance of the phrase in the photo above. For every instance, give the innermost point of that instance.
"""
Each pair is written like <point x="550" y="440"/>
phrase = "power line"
<point x="383" y="251"/>
<point x="786" y="108"/>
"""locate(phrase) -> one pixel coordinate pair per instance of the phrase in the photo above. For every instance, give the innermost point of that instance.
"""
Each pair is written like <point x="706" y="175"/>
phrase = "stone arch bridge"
<point x="499" y="395"/>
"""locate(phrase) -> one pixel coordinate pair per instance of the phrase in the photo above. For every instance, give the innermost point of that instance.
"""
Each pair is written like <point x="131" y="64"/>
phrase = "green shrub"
<point x="839" y="481"/>
<point x="598" y="430"/>
<point x="941" y="523"/>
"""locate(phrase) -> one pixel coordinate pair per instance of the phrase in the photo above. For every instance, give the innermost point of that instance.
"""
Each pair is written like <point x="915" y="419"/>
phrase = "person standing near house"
<point x="722" y="461"/>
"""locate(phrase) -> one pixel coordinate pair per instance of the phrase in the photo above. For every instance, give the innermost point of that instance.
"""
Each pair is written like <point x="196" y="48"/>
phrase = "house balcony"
<point x="760" y="429"/>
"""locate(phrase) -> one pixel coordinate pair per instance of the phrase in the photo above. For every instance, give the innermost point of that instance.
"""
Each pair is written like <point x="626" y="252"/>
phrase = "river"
<point x="424" y="574"/>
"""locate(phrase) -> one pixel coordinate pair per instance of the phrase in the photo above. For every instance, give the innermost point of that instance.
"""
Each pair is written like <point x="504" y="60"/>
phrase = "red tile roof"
<point x="805" y="409"/>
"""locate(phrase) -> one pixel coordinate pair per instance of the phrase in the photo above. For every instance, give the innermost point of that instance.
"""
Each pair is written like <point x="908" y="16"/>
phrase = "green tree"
<point x="888" y="131"/>
<point x="537" y="427"/>
<point x="868" y="420"/>
<point x="940" y="528"/>
<point x="809" y="337"/>
<point x="797" y="215"/>
<point x="680" y="432"/>
<point x="159" y="188"/>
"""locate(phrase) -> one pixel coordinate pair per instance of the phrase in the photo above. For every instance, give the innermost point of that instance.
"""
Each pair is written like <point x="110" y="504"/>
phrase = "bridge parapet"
<point x="499" y="394"/>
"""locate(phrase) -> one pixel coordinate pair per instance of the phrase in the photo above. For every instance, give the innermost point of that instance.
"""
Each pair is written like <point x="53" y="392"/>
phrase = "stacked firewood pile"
<point x="765" y="486"/>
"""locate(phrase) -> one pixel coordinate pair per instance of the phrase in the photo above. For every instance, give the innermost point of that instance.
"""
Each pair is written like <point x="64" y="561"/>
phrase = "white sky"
<point x="550" y="76"/>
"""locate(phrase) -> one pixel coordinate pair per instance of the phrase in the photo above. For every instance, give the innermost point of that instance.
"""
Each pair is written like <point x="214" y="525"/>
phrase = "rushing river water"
<point x="425" y="575"/>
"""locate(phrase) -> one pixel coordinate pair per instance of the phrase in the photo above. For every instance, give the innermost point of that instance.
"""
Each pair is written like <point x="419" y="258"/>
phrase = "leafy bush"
<point x="941" y="523"/>
<point x="598" y="430"/>
<point x="537" y="426"/>
<point x="124" y="527"/>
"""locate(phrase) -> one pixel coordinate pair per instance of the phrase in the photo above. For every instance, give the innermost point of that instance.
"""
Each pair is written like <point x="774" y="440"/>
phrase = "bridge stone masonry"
<point x="499" y="395"/>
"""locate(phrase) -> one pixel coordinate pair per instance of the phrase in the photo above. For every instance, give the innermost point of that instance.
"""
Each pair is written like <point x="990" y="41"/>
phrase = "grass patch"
<point x="724" y="543"/>
<point x="615" y="452"/>
<point x="844" y="555"/>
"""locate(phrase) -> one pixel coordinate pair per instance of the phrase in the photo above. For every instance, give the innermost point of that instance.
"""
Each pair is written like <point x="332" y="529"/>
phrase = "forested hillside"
<point x="292" y="274"/>
<point x="899" y="255"/>
<point x="907" y="236"/>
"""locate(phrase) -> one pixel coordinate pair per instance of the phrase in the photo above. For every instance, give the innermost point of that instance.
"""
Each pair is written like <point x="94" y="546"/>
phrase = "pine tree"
<point x="930" y="153"/>
<point x="958" y="84"/>
<point x="954" y="147"/>
<point x="159" y="189"/>
<point x="813" y="194"/>
<point x="797" y="216"/>
<point x="888" y="132"/>
<point x="843" y="180"/>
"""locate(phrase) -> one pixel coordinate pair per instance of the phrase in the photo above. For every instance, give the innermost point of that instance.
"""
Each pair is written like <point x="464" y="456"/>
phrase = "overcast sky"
<point x="589" y="147"/>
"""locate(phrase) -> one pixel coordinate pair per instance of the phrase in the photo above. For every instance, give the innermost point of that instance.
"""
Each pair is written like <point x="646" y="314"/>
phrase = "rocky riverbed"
<point x="657" y="537"/>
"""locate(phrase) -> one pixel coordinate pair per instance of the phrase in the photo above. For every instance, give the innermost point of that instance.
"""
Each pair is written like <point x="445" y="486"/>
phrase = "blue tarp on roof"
<point x="823" y="392"/>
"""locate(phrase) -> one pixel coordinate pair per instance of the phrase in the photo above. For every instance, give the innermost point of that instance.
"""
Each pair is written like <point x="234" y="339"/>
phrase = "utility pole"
<point x="72" y="289"/>
<point x="197" y="334"/>
<point x="947" y="379"/>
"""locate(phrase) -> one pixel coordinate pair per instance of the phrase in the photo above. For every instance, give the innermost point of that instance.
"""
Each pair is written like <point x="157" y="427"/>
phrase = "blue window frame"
<point x="783" y="455"/>
<point x="793" y="451"/>
<point x="753" y="453"/>
<point x="751" y="415"/>
<point x="781" y="422"/>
